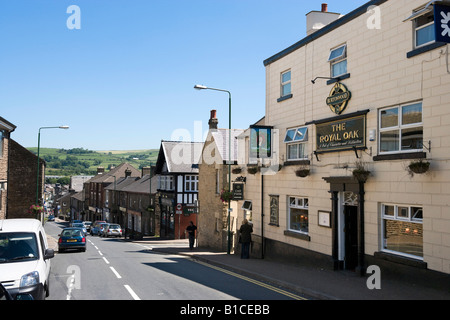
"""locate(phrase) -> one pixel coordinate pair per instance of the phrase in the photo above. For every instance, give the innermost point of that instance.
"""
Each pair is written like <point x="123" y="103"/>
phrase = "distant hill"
<point x="79" y="161"/>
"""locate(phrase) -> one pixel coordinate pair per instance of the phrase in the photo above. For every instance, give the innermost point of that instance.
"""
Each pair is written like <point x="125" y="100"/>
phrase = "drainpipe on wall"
<point x="262" y="215"/>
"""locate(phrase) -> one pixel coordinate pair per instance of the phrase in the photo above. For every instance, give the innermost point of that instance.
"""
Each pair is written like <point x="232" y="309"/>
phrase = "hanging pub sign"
<point x="238" y="191"/>
<point x="339" y="98"/>
<point x="260" y="142"/>
<point x="442" y="23"/>
<point x="344" y="134"/>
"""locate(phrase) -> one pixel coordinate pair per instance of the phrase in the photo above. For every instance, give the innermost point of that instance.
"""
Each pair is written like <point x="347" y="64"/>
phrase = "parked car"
<point x="73" y="222"/>
<point x="51" y="217"/>
<point x="102" y="228"/>
<point x="80" y="225"/>
<point x="72" y="238"/>
<point x="25" y="258"/>
<point x="95" y="227"/>
<point x="88" y="225"/>
<point x="112" y="230"/>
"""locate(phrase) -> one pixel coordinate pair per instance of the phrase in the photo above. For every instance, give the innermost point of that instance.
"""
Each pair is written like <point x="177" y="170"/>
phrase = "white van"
<point x="24" y="258"/>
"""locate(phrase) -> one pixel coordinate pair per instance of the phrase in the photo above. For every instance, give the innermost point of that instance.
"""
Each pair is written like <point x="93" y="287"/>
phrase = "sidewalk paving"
<point x="316" y="283"/>
<point x="313" y="282"/>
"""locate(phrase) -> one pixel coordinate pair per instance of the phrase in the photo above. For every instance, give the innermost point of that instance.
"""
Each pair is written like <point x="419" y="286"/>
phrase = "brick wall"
<point x="22" y="180"/>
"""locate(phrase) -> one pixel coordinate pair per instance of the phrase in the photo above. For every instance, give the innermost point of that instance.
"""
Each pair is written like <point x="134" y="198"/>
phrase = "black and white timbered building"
<point x="177" y="170"/>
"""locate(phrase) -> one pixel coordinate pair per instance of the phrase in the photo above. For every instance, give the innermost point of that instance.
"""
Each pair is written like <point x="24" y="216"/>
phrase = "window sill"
<point x="424" y="49"/>
<point x="297" y="163"/>
<point x="337" y="79"/>
<point x="400" y="156"/>
<point x="281" y="99"/>
<point x="400" y="259"/>
<point x="297" y="235"/>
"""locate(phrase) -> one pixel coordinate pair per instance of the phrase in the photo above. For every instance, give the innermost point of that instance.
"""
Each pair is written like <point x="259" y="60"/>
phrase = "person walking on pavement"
<point x="191" y="232"/>
<point x="245" y="239"/>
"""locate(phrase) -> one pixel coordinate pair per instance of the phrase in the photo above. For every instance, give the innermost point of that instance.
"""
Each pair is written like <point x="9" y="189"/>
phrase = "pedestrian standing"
<point x="245" y="239"/>
<point x="191" y="232"/>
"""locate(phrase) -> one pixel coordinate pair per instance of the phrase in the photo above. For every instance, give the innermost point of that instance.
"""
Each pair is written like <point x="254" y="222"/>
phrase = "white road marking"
<point x="116" y="273"/>
<point x="107" y="262"/>
<point x="133" y="294"/>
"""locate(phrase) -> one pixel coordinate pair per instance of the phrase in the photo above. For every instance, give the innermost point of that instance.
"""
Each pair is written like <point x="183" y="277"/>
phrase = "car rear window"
<point x="18" y="246"/>
<point x="71" y="233"/>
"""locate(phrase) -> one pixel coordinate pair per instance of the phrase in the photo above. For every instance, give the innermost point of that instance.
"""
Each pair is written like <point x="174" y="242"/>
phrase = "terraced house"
<point x="368" y="92"/>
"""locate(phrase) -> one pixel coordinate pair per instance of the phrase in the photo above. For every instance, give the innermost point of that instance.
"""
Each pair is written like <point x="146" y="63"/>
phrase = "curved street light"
<point x="202" y="87"/>
<point x="38" y="153"/>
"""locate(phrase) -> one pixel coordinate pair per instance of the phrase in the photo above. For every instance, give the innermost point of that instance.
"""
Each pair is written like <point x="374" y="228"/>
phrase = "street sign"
<point x="179" y="209"/>
<point x="442" y="23"/>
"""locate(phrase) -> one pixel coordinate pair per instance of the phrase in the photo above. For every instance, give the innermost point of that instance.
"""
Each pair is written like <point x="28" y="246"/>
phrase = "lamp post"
<point x="38" y="153"/>
<point x="201" y="87"/>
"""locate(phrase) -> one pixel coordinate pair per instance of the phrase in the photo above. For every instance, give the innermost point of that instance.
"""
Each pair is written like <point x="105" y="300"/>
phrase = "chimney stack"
<point x="213" y="121"/>
<point x="316" y="20"/>
<point x="127" y="172"/>
<point x="146" y="171"/>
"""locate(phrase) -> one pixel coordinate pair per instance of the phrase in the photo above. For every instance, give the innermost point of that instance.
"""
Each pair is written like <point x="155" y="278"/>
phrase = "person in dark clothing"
<point x="245" y="239"/>
<point x="191" y="232"/>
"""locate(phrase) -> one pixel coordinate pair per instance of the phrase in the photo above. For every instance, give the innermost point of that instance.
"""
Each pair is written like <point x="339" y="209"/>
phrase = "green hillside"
<point x="79" y="161"/>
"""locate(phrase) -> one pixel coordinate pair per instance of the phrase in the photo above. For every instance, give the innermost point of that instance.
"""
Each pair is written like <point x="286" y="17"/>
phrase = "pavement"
<point x="314" y="283"/>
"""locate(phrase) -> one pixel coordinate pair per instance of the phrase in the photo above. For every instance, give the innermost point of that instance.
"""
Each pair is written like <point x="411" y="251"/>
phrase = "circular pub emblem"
<point x="338" y="99"/>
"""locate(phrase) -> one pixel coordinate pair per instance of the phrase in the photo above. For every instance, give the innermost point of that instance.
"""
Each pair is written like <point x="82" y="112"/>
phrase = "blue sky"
<point x="124" y="81"/>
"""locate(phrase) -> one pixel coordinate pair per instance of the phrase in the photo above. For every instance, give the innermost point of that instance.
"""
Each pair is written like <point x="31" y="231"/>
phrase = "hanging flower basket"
<point x="253" y="170"/>
<point x="361" y="175"/>
<point x="302" y="173"/>
<point x="418" y="167"/>
<point x="36" y="211"/>
<point x="226" y="196"/>
<point x="236" y="170"/>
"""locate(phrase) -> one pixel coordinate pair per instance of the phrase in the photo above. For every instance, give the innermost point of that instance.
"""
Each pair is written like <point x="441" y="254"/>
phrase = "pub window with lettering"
<point x="296" y="143"/>
<point x="401" y="129"/>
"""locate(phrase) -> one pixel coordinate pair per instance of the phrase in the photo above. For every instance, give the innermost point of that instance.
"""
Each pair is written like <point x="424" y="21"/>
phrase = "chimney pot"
<point x="213" y="121"/>
<point x="324" y="7"/>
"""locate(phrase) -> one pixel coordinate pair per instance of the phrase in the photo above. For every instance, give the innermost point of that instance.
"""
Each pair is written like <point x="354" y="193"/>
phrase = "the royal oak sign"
<point x="342" y="134"/>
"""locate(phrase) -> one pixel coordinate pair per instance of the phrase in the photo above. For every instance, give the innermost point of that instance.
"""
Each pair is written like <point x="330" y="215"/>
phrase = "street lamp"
<point x="38" y="152"/>
<point x="201" y="87"/>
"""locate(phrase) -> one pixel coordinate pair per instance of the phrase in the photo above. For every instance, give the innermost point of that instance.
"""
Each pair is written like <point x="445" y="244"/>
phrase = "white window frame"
<point x="188" y="180"/>
<point x="400" y="127"/>
<point x="295" y="202"/>
<point x="416" y="28"/>
<point x="397" y="217"/>
<point x="285" y="83"/>
<point x="337" y="60"/>
<point x="297" y="140"/>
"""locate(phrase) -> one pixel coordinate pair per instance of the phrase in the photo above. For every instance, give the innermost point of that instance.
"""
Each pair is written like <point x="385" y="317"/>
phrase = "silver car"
<point x="113" y="230"/>
<point x="80" y="225"/>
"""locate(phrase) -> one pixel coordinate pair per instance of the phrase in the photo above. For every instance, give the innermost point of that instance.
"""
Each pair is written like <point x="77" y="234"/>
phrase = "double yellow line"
<point x="259" y="283"/>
